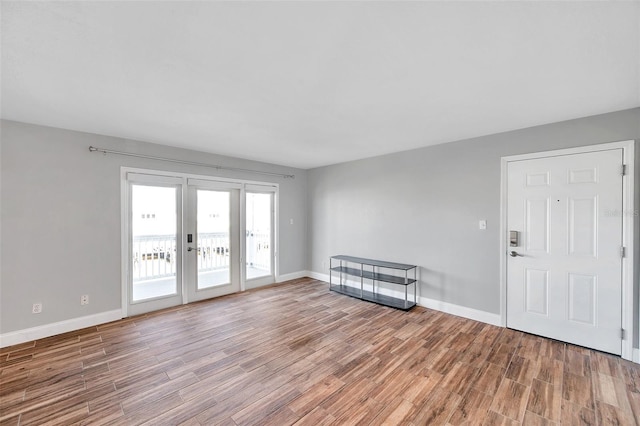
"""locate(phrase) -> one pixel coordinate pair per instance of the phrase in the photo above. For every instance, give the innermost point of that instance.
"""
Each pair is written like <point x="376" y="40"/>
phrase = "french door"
<point x="155" y="246"/>
<point x="213" y="239"/>
<point x="259" y="206"/>
<point x="190" y="239"/>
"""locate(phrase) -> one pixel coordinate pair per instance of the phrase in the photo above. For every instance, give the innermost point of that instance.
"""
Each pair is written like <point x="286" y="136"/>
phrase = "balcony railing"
<point x="213" y="251"/>
<point x="154" y="256"/>
<point x="259" y="250"/>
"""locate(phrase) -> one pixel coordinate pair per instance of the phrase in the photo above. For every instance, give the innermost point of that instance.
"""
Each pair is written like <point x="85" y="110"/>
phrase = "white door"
<point x="212" y="240"/>
<point x="154" y="279"/>
<point x="564" y="273"/>
<point x="259" y="236"/>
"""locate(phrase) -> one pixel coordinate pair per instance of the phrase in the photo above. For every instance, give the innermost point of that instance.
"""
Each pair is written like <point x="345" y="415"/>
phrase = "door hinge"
<point x="623" y="252"/>
<point x="623" y="333"/>
<point x="624" y="169"/>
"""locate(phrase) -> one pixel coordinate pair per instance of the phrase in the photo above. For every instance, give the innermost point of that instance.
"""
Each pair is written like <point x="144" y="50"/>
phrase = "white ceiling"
<point x="307" y="84"/>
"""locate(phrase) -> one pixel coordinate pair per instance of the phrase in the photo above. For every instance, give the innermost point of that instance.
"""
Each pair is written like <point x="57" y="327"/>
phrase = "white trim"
<point x="503" y="242"/>
<point x="636" y="356"/>
<point x="460" y="311"/>
<point x="213" y="184"/>
<point x="251" y="283"/>
<point x="425" y="302"/>
<point x="48" y="330"/>
<point x="124" y="242"/>
<point x="242" y="243"/>
<point x="628" y="153"/>
<point x="628" y="238"/>
<point x="152" y="179"/>
<point x="159" y="180"/>
<point x="292" y="276"/>
<point x="260" y="188"/>
<point x="259" y="282"/>
<point x="276" y="235"/>
<point x="195" y="176"/>
<point x="318" y="276"/>
<point x="190" y="224"/>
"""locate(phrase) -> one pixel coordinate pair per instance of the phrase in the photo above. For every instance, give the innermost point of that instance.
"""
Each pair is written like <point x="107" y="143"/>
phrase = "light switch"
<point x="290" y="221"/>
<point x="482" y="224"/>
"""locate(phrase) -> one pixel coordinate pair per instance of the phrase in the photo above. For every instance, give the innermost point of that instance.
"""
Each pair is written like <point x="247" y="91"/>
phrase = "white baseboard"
<point x="437" y="305"/>
<point x="318" y="276"/>
<point x="636" y="356"/>
<point x="460" y="311"/>
<point x="48" y="330"/>
<point x="292" y="276"/>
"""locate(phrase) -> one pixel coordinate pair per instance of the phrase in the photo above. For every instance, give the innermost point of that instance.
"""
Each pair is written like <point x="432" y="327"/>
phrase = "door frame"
<point x="154" y="181"/>
<point x="235" y="245"/>
<point x="628" y="219"/>
<point x="273" y="277"/>
<point x="125" y="231"/>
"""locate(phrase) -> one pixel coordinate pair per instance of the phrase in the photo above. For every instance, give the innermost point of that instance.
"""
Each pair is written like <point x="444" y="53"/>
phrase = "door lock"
<point x="513" y="238"/>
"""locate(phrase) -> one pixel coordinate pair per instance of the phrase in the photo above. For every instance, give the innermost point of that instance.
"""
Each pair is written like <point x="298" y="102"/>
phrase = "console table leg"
<point x="373" y="281"/>
<point x="406" y="284"/>
<point x="330" y="273"/>
<point x="415" y="286"/>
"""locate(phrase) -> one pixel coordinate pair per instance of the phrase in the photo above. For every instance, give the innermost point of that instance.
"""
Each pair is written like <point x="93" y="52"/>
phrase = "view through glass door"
<point x="259" y="242"/>
<point x="212" y="259"/>
<point x="184" y="239"/>
<point x="155" y="263"/>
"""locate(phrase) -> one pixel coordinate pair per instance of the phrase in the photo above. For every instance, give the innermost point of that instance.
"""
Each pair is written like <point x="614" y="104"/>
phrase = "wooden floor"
<point x="296" y="353"/>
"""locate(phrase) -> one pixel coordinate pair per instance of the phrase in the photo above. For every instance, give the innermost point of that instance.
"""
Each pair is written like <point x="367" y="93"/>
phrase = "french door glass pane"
<point x="258" y="243"/>
<point x="154" y="228"/>
<point x="213" y="224"/>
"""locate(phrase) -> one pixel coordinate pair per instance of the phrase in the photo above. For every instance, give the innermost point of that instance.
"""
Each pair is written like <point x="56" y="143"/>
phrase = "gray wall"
<point x="422" y="206"/>
<point x="60" y="219"/>
<point x="60" y="212"/>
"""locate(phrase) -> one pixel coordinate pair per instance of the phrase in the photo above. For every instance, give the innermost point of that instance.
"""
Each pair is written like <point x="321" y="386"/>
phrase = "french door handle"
<point x="515" y="254"/>
<point x="190" y="249"/>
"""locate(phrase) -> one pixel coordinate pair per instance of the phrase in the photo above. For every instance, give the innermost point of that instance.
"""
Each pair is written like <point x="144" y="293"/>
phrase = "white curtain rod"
<point x="192" y="163"/>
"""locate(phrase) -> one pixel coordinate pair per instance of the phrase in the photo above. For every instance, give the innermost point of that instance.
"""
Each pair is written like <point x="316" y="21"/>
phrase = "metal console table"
<point x="370" y="269"/>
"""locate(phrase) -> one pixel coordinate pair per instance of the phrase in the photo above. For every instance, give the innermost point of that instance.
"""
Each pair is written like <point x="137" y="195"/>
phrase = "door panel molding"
<point x="628" y="213"/>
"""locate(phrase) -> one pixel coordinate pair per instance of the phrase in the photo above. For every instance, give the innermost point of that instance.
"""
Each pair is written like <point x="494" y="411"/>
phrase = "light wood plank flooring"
<point x="298" y="354"/>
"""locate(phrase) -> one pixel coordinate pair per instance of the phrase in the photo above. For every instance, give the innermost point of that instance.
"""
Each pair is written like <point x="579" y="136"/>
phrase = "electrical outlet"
<point x="84" y="299"/>
<point x="37" y="308"/>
